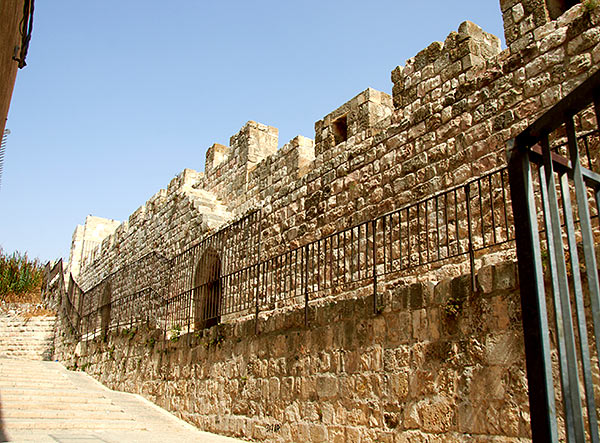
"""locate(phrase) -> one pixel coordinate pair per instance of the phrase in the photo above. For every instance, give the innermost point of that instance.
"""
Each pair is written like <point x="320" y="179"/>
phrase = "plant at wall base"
<point x="590" y="5"/>
<point x="216" y="341"/>
<point x="453" y="306"/>
<point x="175" y="333"/>
<point x="129" y="333"/>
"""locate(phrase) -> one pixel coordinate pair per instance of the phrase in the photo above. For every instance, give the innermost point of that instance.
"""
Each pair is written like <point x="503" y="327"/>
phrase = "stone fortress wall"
<point x="416" y="371"/>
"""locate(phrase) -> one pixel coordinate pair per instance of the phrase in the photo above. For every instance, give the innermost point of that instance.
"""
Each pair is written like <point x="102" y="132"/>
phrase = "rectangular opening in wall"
<point x="556" y="8"/>
<point x="340" y="129"/>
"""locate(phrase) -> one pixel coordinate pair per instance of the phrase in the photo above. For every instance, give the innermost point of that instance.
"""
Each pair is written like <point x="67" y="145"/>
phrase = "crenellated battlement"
<point x="439" y="120"/>
<point x="360" y="113"/>
<point x="436" y="69"/>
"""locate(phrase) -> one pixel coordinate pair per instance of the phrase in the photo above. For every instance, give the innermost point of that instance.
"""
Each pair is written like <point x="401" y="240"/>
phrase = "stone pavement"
<point x="41" y="401"/>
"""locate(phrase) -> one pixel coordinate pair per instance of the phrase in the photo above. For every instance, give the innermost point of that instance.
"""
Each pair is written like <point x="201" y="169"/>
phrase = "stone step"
<point x="34" y="326"/>
<point x="7" y="338"/>
<point x="70" y="414"/>
<point x="32" y="342"/>
<point x="47" y="392"/>
<point x="24" y="368"/>
<point x="25" y="328"/>
<point x="32" y="356"/>
<point x="84" y="411"/>
<point x="18" y="325"/>
<point x="14" y="403"/>
<point x="27" y="349"/>
<point x="24" y="353"/>
<point x="26" y="338"/>
<point x="28" y="344"/>
<point x="54" y="424"/>
<point x="33" y="384"/>
<point x="25" y="376"/>
<point x="29" y="327"/>
<point x="61" y="398"/>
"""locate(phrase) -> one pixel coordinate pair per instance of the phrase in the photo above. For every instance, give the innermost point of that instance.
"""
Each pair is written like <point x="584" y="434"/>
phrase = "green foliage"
<point x="215" y="341"/>
<point x="111" y="352"/>
<point x="175" y="333"/>
<point x="129" y="333"/>
<point x="453" y="306"/>
<point x="18" y="274"/>
<point x="590" y="5"/>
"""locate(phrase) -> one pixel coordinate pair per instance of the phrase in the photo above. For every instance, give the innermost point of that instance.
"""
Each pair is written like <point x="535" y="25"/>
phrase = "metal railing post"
<point x="470" y="234"/>
<point x="256" y="295"/>
<point x="305" y="282"/>
<point x="374" y="246"/>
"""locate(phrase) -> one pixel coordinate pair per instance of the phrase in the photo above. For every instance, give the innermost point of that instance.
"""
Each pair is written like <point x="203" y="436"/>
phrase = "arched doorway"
<point x="105" y="306"/>
<point x="207" y="290"/>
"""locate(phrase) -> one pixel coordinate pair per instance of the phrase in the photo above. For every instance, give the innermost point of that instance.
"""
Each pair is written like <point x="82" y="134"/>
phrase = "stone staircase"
<point x="214" y="212"/>
<point x="24" y="336"/>
<point x="41" y="401"/>
<point x="43" y="395"/>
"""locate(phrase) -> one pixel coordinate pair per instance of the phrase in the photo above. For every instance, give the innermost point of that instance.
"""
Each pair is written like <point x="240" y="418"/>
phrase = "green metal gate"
<point x="553" y="163"/>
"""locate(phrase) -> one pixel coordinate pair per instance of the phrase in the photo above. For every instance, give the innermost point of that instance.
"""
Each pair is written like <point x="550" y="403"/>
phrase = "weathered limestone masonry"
<point x="439" y="361"/>
<point x="87" y="237"/>
<point x="167" y="223"/>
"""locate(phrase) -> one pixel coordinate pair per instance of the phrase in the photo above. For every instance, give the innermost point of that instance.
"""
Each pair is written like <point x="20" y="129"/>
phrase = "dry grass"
<point x="20" y="278"/>
<point x="33" y="296"/>
<point x="38" y="311"/>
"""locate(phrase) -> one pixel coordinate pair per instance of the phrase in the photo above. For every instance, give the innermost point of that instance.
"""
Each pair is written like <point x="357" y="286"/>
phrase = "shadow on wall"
<point x="3" y="436"/>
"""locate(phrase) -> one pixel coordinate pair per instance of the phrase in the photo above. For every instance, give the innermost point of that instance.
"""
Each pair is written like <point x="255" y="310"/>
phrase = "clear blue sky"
<point x="119" y="96"/>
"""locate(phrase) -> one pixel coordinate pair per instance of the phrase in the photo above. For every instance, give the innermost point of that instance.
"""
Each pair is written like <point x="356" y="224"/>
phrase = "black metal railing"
<point x="451" y="225"/>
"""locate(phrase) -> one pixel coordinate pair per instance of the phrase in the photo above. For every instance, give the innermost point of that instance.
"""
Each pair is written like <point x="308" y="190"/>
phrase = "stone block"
<point x="437" y="415"/>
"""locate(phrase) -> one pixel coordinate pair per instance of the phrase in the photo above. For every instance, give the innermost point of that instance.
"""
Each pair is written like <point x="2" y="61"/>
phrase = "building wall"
<point x="11" y="13"/>
<point x="439" y="362"/>
<point x="86" y="238"/>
